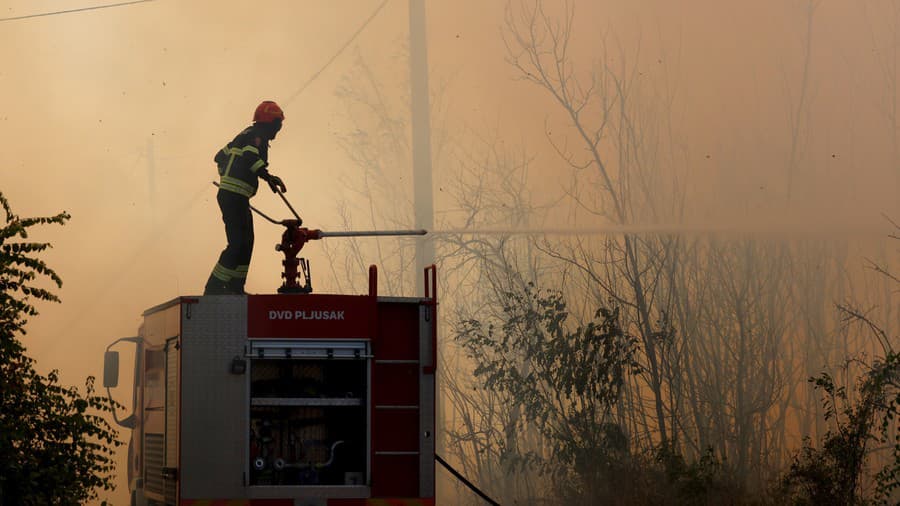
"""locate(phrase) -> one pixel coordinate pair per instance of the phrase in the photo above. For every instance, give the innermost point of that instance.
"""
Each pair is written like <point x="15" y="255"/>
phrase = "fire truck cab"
<point x="283" y="400"/>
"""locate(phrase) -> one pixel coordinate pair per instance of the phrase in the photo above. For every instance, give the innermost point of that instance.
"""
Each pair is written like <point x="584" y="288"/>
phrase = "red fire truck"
<point x="288" y="399"/>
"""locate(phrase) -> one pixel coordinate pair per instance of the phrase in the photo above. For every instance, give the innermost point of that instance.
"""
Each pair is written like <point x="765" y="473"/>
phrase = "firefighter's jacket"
<point x="242" y="162"/>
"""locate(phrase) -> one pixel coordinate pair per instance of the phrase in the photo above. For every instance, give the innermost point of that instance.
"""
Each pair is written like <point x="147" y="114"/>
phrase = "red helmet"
<point x="268" y="112"/>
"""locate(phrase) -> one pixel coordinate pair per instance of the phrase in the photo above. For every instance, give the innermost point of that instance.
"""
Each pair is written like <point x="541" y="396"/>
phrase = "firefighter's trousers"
<point x="230" y="272"/>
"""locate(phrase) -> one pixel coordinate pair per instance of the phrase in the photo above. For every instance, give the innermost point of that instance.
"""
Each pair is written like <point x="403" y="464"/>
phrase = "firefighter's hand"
<point x="275" y="183"/>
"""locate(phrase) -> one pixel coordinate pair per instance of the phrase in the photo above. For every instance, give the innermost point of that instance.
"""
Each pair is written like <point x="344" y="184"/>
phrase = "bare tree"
<point x="613" y="151"/>
<point x="729" y="327"/>
<point x="379" y="186"/>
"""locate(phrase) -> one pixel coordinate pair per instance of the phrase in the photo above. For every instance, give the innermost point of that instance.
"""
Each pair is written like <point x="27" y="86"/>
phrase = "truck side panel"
<point x="427" y="373"/>
<point x="401" y="404"/>
<point x="213" y="400"/>
<point x="172" y="404"/>
<point x="149" y="438"/>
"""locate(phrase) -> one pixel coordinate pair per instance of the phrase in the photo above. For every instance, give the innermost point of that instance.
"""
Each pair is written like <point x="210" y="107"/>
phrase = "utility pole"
<point x="423" y="196"/>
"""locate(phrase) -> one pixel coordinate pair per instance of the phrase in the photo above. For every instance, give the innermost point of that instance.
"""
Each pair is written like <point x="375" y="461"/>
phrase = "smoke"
<point x="84" y="94"/>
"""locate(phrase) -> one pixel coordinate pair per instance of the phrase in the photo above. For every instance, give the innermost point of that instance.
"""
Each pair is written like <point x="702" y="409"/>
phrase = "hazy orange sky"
<point x="113" y="115"/>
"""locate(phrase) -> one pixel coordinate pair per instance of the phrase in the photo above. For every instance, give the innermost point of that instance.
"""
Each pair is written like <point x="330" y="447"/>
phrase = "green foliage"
<point x="565" y="379"/>
<point x="55" y="446"/>
<point x="704" y="481"/>
<point x="834" y="472"/>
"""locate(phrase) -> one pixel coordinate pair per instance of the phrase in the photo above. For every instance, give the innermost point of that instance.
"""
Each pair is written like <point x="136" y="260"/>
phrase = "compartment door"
<point x="170" y="469"/>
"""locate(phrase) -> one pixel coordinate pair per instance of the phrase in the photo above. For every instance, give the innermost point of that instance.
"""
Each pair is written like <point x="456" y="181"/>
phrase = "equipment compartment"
<point x="307" y="422"/>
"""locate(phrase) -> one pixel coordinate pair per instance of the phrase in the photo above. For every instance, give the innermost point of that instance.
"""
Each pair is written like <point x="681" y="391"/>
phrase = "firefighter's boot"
<point x="236" y="286"/>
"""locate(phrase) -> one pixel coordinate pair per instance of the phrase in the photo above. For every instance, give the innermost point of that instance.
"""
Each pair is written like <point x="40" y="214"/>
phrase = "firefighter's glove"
<point x="275" y="183"/>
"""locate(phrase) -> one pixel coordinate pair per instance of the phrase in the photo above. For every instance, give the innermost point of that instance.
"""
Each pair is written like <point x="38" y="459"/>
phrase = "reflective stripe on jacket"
<point x="239" y="162"/>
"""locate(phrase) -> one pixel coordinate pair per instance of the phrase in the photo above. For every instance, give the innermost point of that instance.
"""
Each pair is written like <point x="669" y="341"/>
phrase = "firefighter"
<point x="241" y="164"/>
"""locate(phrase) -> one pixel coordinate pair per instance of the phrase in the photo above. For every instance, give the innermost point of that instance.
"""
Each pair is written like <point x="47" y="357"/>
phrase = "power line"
<point x="82" y="9"/>
<point x="338" y="53"/>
